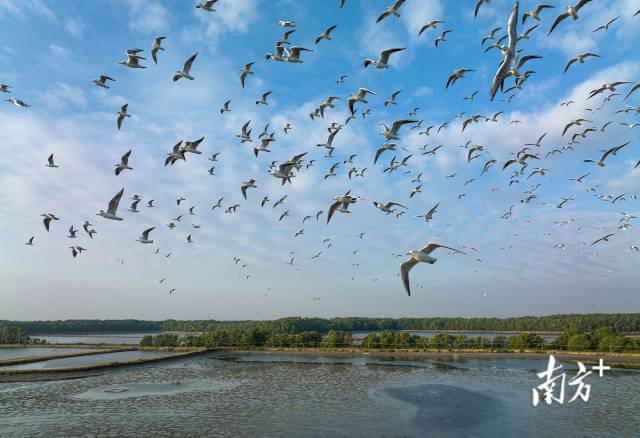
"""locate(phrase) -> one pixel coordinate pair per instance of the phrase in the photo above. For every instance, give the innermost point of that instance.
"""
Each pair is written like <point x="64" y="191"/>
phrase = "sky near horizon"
<point x="50" y="51"/>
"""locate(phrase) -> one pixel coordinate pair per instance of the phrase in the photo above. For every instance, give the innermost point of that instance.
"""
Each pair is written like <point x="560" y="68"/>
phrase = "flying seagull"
<point x="393" y="133"/>
<point x="580" y="59"/>
<point x="606" y="26"/>
<point x="124" y="163"/>
<point x="263" y="99"/>
<point x="144" y="238"/>
<point x="155" y="47"/>
<point x="245" y="72"/>
<point x="247" y="184"/>
<point x="383" y="61"/>
<point x="433" y="24"/>
<point x="572" y="11"/>
<point x="207" y="5"/>
<point x="18" y="102"/>
<point x="50" y="162"/>
<point x="457" y="75"/>
<point x="606" y="153"/>
<point x="536" y="13"/>
<point x="122" y="114"/>
<point x="387" y="206"/>
<point x="184" y="73"/>
<point x="417" y="256"/>
<point x="429" y="215"/>
<point x="133" y="59"/>
<point x="102" y="81"/>
<point x="341" y="204"/>
<point x="326" y="35"/>
<point x="509" y="53"/>
<point x="293" y="54"/>
<point x="391" y="10"/>
<point x="112" y="208"/>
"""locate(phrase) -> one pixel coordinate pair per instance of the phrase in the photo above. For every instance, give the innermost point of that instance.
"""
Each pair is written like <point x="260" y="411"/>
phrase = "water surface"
<point x="318" y="396"/>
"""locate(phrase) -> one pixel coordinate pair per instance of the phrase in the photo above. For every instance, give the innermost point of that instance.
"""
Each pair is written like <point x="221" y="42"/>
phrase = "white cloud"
<point x="415" y="14"/>
<point x="147" y="16"/>
<point x="61" y="95"/>
<point x="74" y="27"/>
<point x="19" y="9"/>
<point x="57" y="50"/>
<point x="234" y="17"/>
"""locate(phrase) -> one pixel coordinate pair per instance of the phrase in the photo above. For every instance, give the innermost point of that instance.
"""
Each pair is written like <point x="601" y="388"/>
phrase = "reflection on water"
<point x="439" y="406"/>
<point x="267" y="395"/>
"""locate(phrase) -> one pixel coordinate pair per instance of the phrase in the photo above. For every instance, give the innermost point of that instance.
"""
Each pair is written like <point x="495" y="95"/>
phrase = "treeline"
<point x="249" y="338"/>
<point x="86" y="326"/>
<point x="601" y="339"/>
<point x="621" y="322"/>
<point x="16" y="335"/>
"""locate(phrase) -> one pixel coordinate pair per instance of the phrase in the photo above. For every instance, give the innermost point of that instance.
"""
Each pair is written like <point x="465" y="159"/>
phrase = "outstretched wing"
<point x="145" y="233"/>
<point x="125" y="158"/>
<point x="115" y="201"/>
<point x="189" y="62"/>
<point x="405" y="267"/>
<point x="332" y="210"/>
<point x="430" y="247"/>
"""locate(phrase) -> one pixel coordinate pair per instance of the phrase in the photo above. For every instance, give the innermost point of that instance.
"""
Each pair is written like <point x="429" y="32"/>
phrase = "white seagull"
<point x="50" y="162"/>
<point x="144" y="238"/>
<point x="155" y="47"/>
<point x="102" y="81"/>
<point x="391" y="10"/>
<point x="184" y="73"/>
<point x="122" y="114"/>
<point x="418" y="256"/>
<point x="112" y="208"/>
<point x="207" y="5"/>
<point x="133" y="59"/>
<point x="383" y="61"/>
<point x="124" y="163"/>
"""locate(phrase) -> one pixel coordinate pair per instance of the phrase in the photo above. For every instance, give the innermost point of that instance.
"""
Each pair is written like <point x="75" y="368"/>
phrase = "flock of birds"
<point x="510" y="77"/>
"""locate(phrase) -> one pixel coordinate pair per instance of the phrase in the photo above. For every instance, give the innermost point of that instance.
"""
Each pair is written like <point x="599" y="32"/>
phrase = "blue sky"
<point x="50" y="52"/>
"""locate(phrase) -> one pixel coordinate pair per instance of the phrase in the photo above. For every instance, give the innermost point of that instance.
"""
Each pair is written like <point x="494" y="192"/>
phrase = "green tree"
<point x="337" y="339"/>
<point x="579" y="342"/>
<point x="387" y="339"/>
<point x="371" y="341"/>
<point x="441" y="340"/>
<point x="460" y="341"/>
<point x="500" y="342"/>
<point x="525" y="340"/>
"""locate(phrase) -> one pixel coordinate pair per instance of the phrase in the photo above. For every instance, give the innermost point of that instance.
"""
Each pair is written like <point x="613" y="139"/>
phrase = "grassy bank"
<point x="64" y="373"/>
<point x="33" y="359"/>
